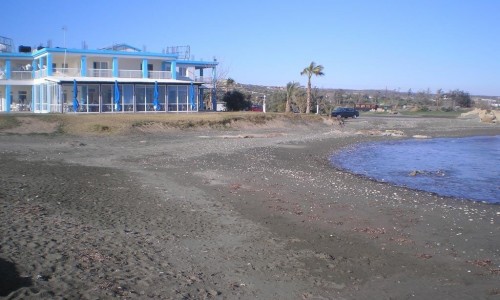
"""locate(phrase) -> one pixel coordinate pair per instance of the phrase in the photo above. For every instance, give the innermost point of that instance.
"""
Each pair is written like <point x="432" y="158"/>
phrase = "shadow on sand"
<point x="10" y="278"/>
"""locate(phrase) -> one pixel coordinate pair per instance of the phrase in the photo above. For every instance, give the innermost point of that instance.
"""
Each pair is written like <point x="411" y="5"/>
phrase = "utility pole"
<point x="64" y="28"/>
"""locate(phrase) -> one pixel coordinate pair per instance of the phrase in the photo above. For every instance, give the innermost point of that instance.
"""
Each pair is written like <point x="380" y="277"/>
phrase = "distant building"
<point x="117" y="79"/>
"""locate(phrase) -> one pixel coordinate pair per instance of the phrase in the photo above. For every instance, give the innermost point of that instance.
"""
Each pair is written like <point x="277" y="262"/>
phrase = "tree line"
<point x="297" y="99"/>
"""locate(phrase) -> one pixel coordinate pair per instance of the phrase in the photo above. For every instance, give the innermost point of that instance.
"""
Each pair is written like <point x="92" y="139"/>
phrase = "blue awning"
<point x="75" y="96"/>
<point x="118" y="106"/>
<point x="156" y="103"/>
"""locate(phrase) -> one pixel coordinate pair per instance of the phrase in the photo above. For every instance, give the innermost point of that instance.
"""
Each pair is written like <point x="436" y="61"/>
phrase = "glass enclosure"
<point x="100" y="98"/>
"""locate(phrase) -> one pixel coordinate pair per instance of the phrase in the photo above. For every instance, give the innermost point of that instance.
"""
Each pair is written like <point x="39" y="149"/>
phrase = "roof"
<point x="122" y="47"/>
<point x="104" y="52"/>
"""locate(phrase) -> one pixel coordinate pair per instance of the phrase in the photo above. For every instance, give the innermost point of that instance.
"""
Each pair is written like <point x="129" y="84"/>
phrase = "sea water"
<point x="467" y="168"/>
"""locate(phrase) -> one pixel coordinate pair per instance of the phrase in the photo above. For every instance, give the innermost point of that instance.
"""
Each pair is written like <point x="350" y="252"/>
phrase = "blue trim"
<point x="7" y="69"/>
<point x="115" y="67"/>
<point x="144" y="68"/>
<point x="173" y="70"/>
<point x="206" y="64"/>
<point x="16" y="55"/>
<point x="49" y="64"/>
<point x="8" y="99"/>
<point x="83" y="71"/>
<point x="214" y="100"/>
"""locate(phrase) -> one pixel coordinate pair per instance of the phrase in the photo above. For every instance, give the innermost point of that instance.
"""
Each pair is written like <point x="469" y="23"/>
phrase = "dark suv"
<point x="345" y="112"/>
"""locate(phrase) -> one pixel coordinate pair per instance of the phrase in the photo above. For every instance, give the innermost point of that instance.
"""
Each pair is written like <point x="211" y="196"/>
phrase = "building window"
<point x="150" y="67"/>
<point x="101" y="65"/>
<point x="101" y="69"/>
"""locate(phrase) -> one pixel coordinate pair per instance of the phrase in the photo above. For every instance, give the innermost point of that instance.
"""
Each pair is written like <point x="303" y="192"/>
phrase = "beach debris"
<point x="389" y="132"/>
<point x="392" y="132"/>
<point x="440" y="173"/>
<point x="372" y="231"/>
<point x="419" y="136"/>
<point x="42" y="277"/>
<point x="481" y="262"/>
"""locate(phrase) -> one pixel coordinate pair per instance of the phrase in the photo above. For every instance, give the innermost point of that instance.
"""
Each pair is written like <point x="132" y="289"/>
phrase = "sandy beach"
<point x="247" y="212"/>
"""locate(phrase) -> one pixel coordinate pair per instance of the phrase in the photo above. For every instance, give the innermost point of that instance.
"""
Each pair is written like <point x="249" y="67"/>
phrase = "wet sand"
<point x="248" y="213"/>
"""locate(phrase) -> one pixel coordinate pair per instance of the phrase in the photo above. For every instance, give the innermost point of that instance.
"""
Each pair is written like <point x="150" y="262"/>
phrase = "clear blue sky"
<point x="362" y="44"/>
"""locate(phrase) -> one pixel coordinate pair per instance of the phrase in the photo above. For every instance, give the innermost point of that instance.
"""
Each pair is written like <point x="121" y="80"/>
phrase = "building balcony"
<point x="41" y="73"/>
<point x="21" y="75"/>
<point x="130" y="74"/>
<point x="204" y="79"/>
<point x="101" y="73"/>
<point x="66" y="72"/>
<point x="160" y="75"/>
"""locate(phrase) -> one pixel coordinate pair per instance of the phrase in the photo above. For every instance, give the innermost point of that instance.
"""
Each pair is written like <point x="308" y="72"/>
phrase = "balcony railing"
<point x="41" y="73"/>
<point x="205" y="79"/>
<point x="20" y="75"/>
<point x="130" y="74"/>
<point x="160" y="74"/>
<point x="73" y="72"/>
<point x="100" y="73"/>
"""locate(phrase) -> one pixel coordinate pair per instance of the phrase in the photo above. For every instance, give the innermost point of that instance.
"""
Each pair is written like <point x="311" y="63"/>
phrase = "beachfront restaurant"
<point x="59" y="80"/>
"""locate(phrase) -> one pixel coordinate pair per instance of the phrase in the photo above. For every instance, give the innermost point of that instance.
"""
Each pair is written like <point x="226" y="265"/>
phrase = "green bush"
<point x="235" y="101"/>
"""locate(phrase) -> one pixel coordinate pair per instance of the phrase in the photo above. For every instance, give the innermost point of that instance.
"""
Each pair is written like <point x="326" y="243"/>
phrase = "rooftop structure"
<point x="5" y="44"/>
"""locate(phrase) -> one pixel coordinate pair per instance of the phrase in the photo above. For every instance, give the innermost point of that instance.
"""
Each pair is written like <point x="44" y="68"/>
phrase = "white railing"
<point x="66" y="72"/>
<point x="41" y="73"/>
<point x="160" y="74"/>
<point x="185" y="78"/>
<point x="75" y="72"/>
<point x="20" y="75"/>
<point x="205" y="79"/>
<point x="130" y="74"/>
<point x="100" y="73"/>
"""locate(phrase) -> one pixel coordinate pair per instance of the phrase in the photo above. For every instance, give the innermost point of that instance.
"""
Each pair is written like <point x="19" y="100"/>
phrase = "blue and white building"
<point x="111" y="80"/>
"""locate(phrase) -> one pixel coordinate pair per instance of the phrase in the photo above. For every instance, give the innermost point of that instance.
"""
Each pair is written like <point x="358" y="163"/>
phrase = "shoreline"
<point x="198" y="214"/>
<point x="338" y="167"/>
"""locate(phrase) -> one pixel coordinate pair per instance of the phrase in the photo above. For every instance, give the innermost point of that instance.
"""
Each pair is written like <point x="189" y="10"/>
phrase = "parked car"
<point x="345" y="112"/>
<point x="257" y="108"/>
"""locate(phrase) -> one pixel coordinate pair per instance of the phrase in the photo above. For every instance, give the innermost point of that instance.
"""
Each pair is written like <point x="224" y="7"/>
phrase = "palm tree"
<point x="311" y="70"/>
<point x="291" y="89"/>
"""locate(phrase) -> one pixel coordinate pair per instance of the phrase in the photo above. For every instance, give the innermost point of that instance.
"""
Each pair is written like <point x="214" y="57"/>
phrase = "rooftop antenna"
<point x="64" y="29"/>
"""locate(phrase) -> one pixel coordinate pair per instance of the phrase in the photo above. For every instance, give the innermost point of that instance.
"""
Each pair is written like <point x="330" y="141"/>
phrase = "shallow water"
<point x="466" y="168"/>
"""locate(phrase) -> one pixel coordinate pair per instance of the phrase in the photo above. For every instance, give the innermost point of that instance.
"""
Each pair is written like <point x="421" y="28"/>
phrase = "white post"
<point x="264" y="104"/>
<point x="317" y="109"/>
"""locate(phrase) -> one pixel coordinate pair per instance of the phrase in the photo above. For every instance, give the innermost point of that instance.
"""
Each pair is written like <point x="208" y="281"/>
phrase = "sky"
<point x="362" y="44"/>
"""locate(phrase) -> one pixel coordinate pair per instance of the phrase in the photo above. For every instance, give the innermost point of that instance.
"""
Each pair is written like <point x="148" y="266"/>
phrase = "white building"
<point x="114" y="80"/>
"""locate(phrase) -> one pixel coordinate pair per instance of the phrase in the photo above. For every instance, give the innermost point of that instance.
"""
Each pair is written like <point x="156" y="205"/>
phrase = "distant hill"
<point x="268" y="90"/>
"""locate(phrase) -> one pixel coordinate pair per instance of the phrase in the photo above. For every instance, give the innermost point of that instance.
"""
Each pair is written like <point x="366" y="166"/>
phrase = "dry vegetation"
<point x="91" y="124"/>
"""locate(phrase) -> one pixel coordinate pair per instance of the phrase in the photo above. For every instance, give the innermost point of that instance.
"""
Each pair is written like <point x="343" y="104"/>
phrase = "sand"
<point x="244" y="213"/>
